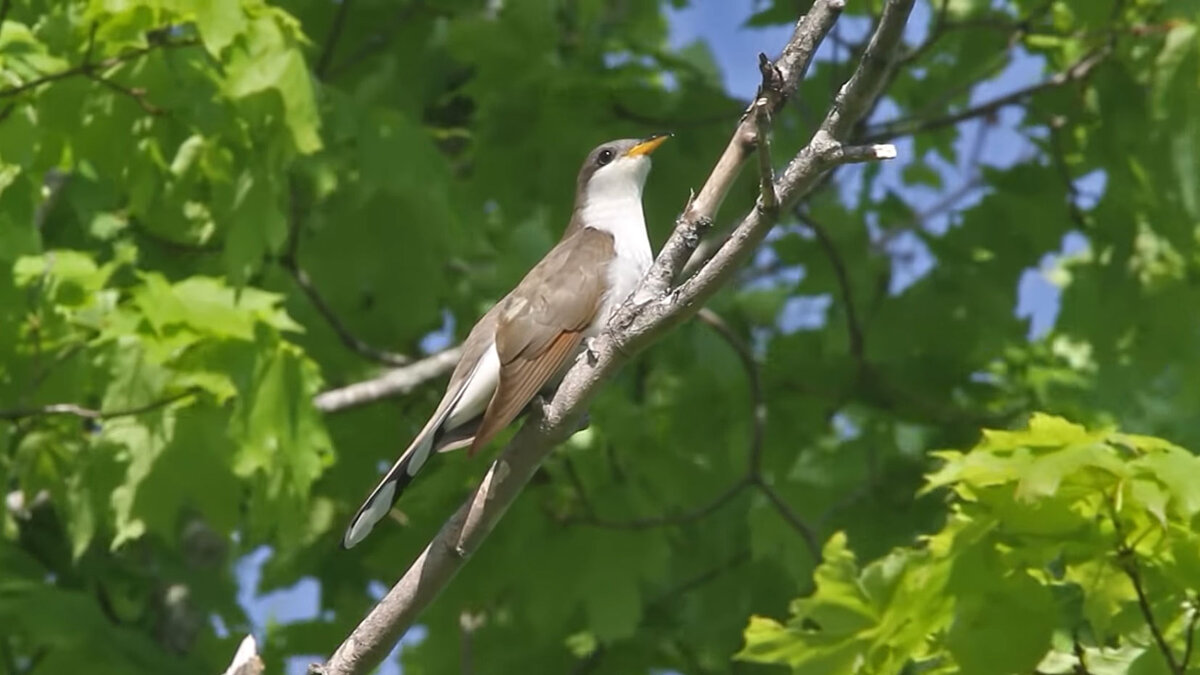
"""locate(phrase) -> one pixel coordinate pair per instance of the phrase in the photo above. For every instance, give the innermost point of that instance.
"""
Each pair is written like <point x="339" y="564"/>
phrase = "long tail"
<point x="388" y="491"/>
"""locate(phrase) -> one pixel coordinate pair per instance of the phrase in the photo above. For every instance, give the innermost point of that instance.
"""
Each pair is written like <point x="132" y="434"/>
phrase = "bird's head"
<point x="617" y="168"/>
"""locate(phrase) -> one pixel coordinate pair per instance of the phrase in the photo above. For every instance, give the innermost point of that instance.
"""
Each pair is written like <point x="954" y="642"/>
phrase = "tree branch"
<point x="395" y="382"/>
<point x="1128" y="563"/>
<point x="767" y="201"/>
<point x="88" y="68"/>
<point x="652" y="311"/>
<point x="854" y="327"/>
<point x="290" y="261"/>
<point x="88" y="413"/>
<point x="1079" y="70"/>
<point x="137" y="94"/>
<point x="1130" y="567"/>
<point x="791" y="517"/>
<point x="697" y="217"/>
<point x="664" y="520"/>
<point x="331" y="40"/>
<point x="246" y="660"/>
<point x="1191" y="636"/>
<point x="758" y="412"/>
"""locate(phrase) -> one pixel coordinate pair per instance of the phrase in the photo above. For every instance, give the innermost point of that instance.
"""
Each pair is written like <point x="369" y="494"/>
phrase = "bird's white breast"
<point x="621" y="216"/>
<point x="615" y="206"/>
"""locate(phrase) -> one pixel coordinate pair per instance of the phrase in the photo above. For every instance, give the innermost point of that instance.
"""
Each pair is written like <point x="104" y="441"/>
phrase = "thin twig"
<point x="854" y="328"/>
<point x="767" y="201"/>
<point x="331" y="39"/>
<point x="577" y="484"/>
<point x="910" y="126"/>
<point x="1128" y="562"/>
<point x="1058" y="157"/>
<point x="758" y="401"/>
<point x="290" y="261"/>
<point x="88" y="413"/>
<point x="684" y="518"/>
<point x="791" y="517"/>
<point x="395" y="382"/>
<point x="733" y="562"/>
<point x="622" y="111"/>
<point x="87" y="68"/>
<point x="138" y="95"/>
<point x="758" y="410"/>
<point x="468" y="623"/>
<point x="375" y="43"/>
<point x="1191" y="635"/>
<point x="1130" y="567"/>
<point x="1081" y="668"/>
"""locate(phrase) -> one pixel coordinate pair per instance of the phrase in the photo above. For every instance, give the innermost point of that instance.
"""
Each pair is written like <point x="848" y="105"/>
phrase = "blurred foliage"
<point x="179" y="180"/>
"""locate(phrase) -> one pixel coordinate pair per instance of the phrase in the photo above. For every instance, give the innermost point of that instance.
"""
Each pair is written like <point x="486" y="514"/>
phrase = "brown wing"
<point x="542" y="322"/>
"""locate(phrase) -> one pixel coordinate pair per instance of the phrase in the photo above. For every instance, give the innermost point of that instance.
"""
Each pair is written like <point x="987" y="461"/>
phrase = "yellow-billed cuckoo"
<point x="529" y="337"/>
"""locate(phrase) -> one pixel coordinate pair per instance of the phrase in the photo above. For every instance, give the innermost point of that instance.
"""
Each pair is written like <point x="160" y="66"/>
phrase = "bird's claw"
<point x="593" y="354"/>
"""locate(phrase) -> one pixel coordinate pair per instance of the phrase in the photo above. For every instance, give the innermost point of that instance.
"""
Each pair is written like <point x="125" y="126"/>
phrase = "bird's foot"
<point x="593" y="354"/>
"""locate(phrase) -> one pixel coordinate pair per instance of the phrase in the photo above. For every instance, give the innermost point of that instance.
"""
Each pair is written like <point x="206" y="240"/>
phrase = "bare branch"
<point x="246" y="660"/>
<point x="88" y="68"/>
<point x="684" y="518"/>
<point x="1191" y="635"/>
<point x="379" y="41"/>
<point x="1129" y="565"/>
<point x="331" y="39"/>
<point x="790" y="516"/>
<point x="652" y="311"/>
<point x="910" y="126"/>
<point x="290" y="261"/>
<point x="1127" y="561"/>
<point x="622" y="111"/>
<point x="762" y="124"/>
<point x="758" y="401"/>
<point x="137" y="94"/>
<point x="854" y="328"/>
<point x="733" y="562"/>
<point x="88" y="413"/>
<point x="758" y="411"/>
<point x="754" y="474"/>
<point x="697" y="217"/>
<point x="395" y="382"/>
<point x="468" y="623"/>
<point x="1058" y="157"/>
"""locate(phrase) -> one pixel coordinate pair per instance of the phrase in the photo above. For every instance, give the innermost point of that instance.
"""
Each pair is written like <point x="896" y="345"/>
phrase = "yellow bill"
<point x="647" y="146"/>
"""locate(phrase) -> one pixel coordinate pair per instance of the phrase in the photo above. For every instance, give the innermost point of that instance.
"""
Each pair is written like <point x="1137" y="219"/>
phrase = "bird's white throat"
<point x="614" y="205"/>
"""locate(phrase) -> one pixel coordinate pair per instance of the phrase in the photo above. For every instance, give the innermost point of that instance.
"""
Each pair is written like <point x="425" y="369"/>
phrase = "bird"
<point x="530" y="337"/>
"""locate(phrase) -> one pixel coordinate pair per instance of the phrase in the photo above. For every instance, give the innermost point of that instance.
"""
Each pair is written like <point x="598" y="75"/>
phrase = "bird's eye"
<point x="605" y="156"/>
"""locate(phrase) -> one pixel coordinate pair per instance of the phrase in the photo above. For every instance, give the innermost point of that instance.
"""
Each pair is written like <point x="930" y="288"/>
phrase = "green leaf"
<point x="220" y="22"/>
<point x="1106" y="590"/>
<point x="140" y="441"/>
<point x="209" y="307"/>
<point x="282" y="442"/>
<point x="273" y="63"/>
<point x="1017" y="608"/>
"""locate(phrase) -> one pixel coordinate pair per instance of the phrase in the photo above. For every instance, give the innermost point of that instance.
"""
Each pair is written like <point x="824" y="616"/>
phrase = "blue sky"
<point x="718" y="22"/>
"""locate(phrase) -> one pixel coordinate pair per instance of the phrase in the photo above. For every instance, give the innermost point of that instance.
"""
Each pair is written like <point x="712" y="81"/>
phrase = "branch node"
<point x="772" y="77"/>
<point x="768" y="201"/>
